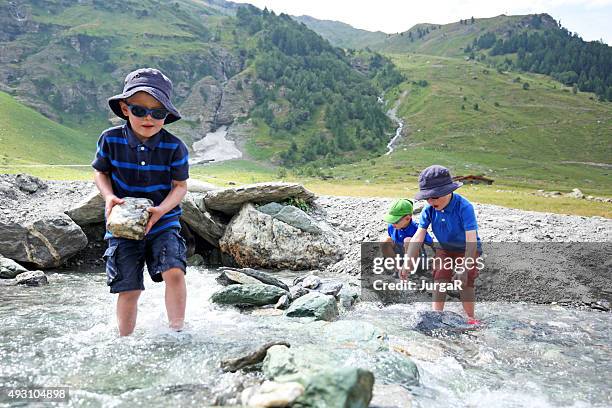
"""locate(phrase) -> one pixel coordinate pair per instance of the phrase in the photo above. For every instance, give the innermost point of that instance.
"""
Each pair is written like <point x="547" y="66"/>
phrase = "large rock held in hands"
<point x="129" y="220"/>
<point x="257" y="240"/>
<point x="230" y="200"/>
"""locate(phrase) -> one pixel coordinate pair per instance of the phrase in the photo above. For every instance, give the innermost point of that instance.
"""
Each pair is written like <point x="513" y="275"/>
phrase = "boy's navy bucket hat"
<point x="436" y="181"/>
<point x="151" y="81"/>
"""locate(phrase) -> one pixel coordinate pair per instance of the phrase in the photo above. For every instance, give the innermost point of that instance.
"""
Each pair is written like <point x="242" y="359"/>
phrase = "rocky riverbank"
<point x="51" y="224"/>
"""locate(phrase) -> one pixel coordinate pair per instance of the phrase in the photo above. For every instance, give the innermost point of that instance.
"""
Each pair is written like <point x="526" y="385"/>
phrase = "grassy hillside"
<point x="226" y="63"/>
<point x="341" y="34"/>
<point x="529" y="138"/>
<point x="27" y="137"/>
<point x="447" y="40"/>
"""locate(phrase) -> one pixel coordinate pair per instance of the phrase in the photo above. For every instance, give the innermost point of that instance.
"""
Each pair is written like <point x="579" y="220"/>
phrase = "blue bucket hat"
<point x="436" y="181"/>
<point x="151" y="81"/>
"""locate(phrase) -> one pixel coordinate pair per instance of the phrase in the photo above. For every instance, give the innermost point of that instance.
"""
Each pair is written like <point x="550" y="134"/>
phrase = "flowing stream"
<point x="392" y="114"/>
<point x="64" y="334"/>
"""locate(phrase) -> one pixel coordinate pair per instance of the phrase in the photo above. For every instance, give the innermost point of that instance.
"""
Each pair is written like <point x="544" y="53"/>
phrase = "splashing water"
<point x="64" y="334"/>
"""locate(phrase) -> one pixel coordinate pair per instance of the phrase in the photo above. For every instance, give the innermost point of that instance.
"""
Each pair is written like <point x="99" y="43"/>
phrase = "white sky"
<point x="591" y="19"/>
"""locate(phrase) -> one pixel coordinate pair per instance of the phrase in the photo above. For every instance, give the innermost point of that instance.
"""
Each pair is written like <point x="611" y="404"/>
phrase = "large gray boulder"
<point x="46" y="242"/>
<point x="257" y="240"/>
<point x="90" y="210"/>
<point x="248" y="294"/>
<point x="230" y="200"/>
<point x="291" y="215"/>
<point x="200" y="221"/>
<point x="314" y="304"/>
<point x="129" y="220"/>
<point x="9" y="268"/>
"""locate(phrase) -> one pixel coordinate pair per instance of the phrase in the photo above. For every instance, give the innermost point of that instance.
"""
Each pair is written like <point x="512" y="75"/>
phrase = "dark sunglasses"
<point x="141" y="112"/>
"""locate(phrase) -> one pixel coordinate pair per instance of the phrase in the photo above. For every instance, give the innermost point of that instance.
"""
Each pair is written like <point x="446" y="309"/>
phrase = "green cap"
<point x="399" y="209"/>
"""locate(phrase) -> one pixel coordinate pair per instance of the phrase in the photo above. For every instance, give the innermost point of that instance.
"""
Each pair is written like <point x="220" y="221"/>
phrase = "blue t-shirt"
<point x="398" y="235"/>
<point x="143" y="169"/>
<point x="450" y="224"/>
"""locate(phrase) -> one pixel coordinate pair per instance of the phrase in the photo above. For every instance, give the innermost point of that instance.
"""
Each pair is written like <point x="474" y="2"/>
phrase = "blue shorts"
<point x="125" y="259"/>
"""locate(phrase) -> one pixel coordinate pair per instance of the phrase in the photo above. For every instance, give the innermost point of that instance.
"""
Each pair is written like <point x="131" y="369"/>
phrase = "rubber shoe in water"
<point x="474" y="322"/>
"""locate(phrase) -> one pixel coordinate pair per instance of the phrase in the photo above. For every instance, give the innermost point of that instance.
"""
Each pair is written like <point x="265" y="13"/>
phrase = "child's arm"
<point x="103" y="183"/>
<point x="179" y="189"/>
<point x="412" y="251"/>
<point x="471" y="245"/>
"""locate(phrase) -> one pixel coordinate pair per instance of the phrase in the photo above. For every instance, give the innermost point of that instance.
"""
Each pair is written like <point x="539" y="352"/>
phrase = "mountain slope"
<point x="27" y="137"/>
<point x="479" y="121"/>
<point x="341" y="34"/>
<point x="227" y="63"/>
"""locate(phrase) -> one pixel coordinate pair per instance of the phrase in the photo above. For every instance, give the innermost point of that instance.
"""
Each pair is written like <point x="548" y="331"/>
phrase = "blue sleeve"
<point x="468" y="217"/>
<point x="425" y="218"/>
<point x="101" y="160"/>
<point x="180" y="163"/>
<point x="390" y="230"/>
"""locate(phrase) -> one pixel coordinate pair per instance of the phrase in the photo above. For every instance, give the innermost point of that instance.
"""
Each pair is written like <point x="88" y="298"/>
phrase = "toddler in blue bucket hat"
<point x="142" y="159"/>
<point x="453" y="222"/>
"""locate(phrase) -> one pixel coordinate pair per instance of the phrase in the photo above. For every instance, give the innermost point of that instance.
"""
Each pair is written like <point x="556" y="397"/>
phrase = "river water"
<point x="64" y="334"/>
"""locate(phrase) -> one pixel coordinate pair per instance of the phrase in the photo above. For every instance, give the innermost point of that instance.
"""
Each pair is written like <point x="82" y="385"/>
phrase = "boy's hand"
<point x="404" y="273"/>
<point x="156" y="214"/>
<point x="111" y="201"/>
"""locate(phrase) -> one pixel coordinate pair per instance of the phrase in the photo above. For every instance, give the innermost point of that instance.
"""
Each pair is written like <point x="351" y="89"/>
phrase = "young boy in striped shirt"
<point x="142" y="159"/>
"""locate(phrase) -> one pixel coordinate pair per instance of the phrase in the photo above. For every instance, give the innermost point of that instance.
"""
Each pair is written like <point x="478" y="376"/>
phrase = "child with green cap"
<point x="401" y="228"/>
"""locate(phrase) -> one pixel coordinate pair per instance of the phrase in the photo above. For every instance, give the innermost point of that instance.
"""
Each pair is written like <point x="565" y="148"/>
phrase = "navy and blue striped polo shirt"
<point x="143" y="169"/>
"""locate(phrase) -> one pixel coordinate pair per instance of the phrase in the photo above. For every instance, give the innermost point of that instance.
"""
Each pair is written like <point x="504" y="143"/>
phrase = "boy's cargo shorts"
<point x="442" y="270"/>
<point x="125" y="259"/>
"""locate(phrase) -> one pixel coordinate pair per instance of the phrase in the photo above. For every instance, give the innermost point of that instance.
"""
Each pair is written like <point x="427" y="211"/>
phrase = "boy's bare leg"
<point x="468" y="295"/>
<point x="127" y="309"/>
<point x="176" y="297"/>
<point x="438" y="298"/>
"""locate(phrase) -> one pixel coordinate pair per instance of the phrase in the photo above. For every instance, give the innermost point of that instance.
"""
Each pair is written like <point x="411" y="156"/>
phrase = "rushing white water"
<point x="65" y="334"/>
<point x="392" y="113"/>
<point x="215" y="146"/>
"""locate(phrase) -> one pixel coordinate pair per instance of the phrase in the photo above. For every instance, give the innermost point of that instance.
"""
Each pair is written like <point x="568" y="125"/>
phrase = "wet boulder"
<point x="31" y="278"/>
<point x="9" y="269"/>
<point x="272" y="394"/>
<point x="257" y="240"/>
<point x="247" y="275"/>
<point x="439" y="322"/>
<point x="314" y="304"/>
<point x="129" y="220"/>
<point x="248" y="294"/>
<point x="342" y="387"/>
